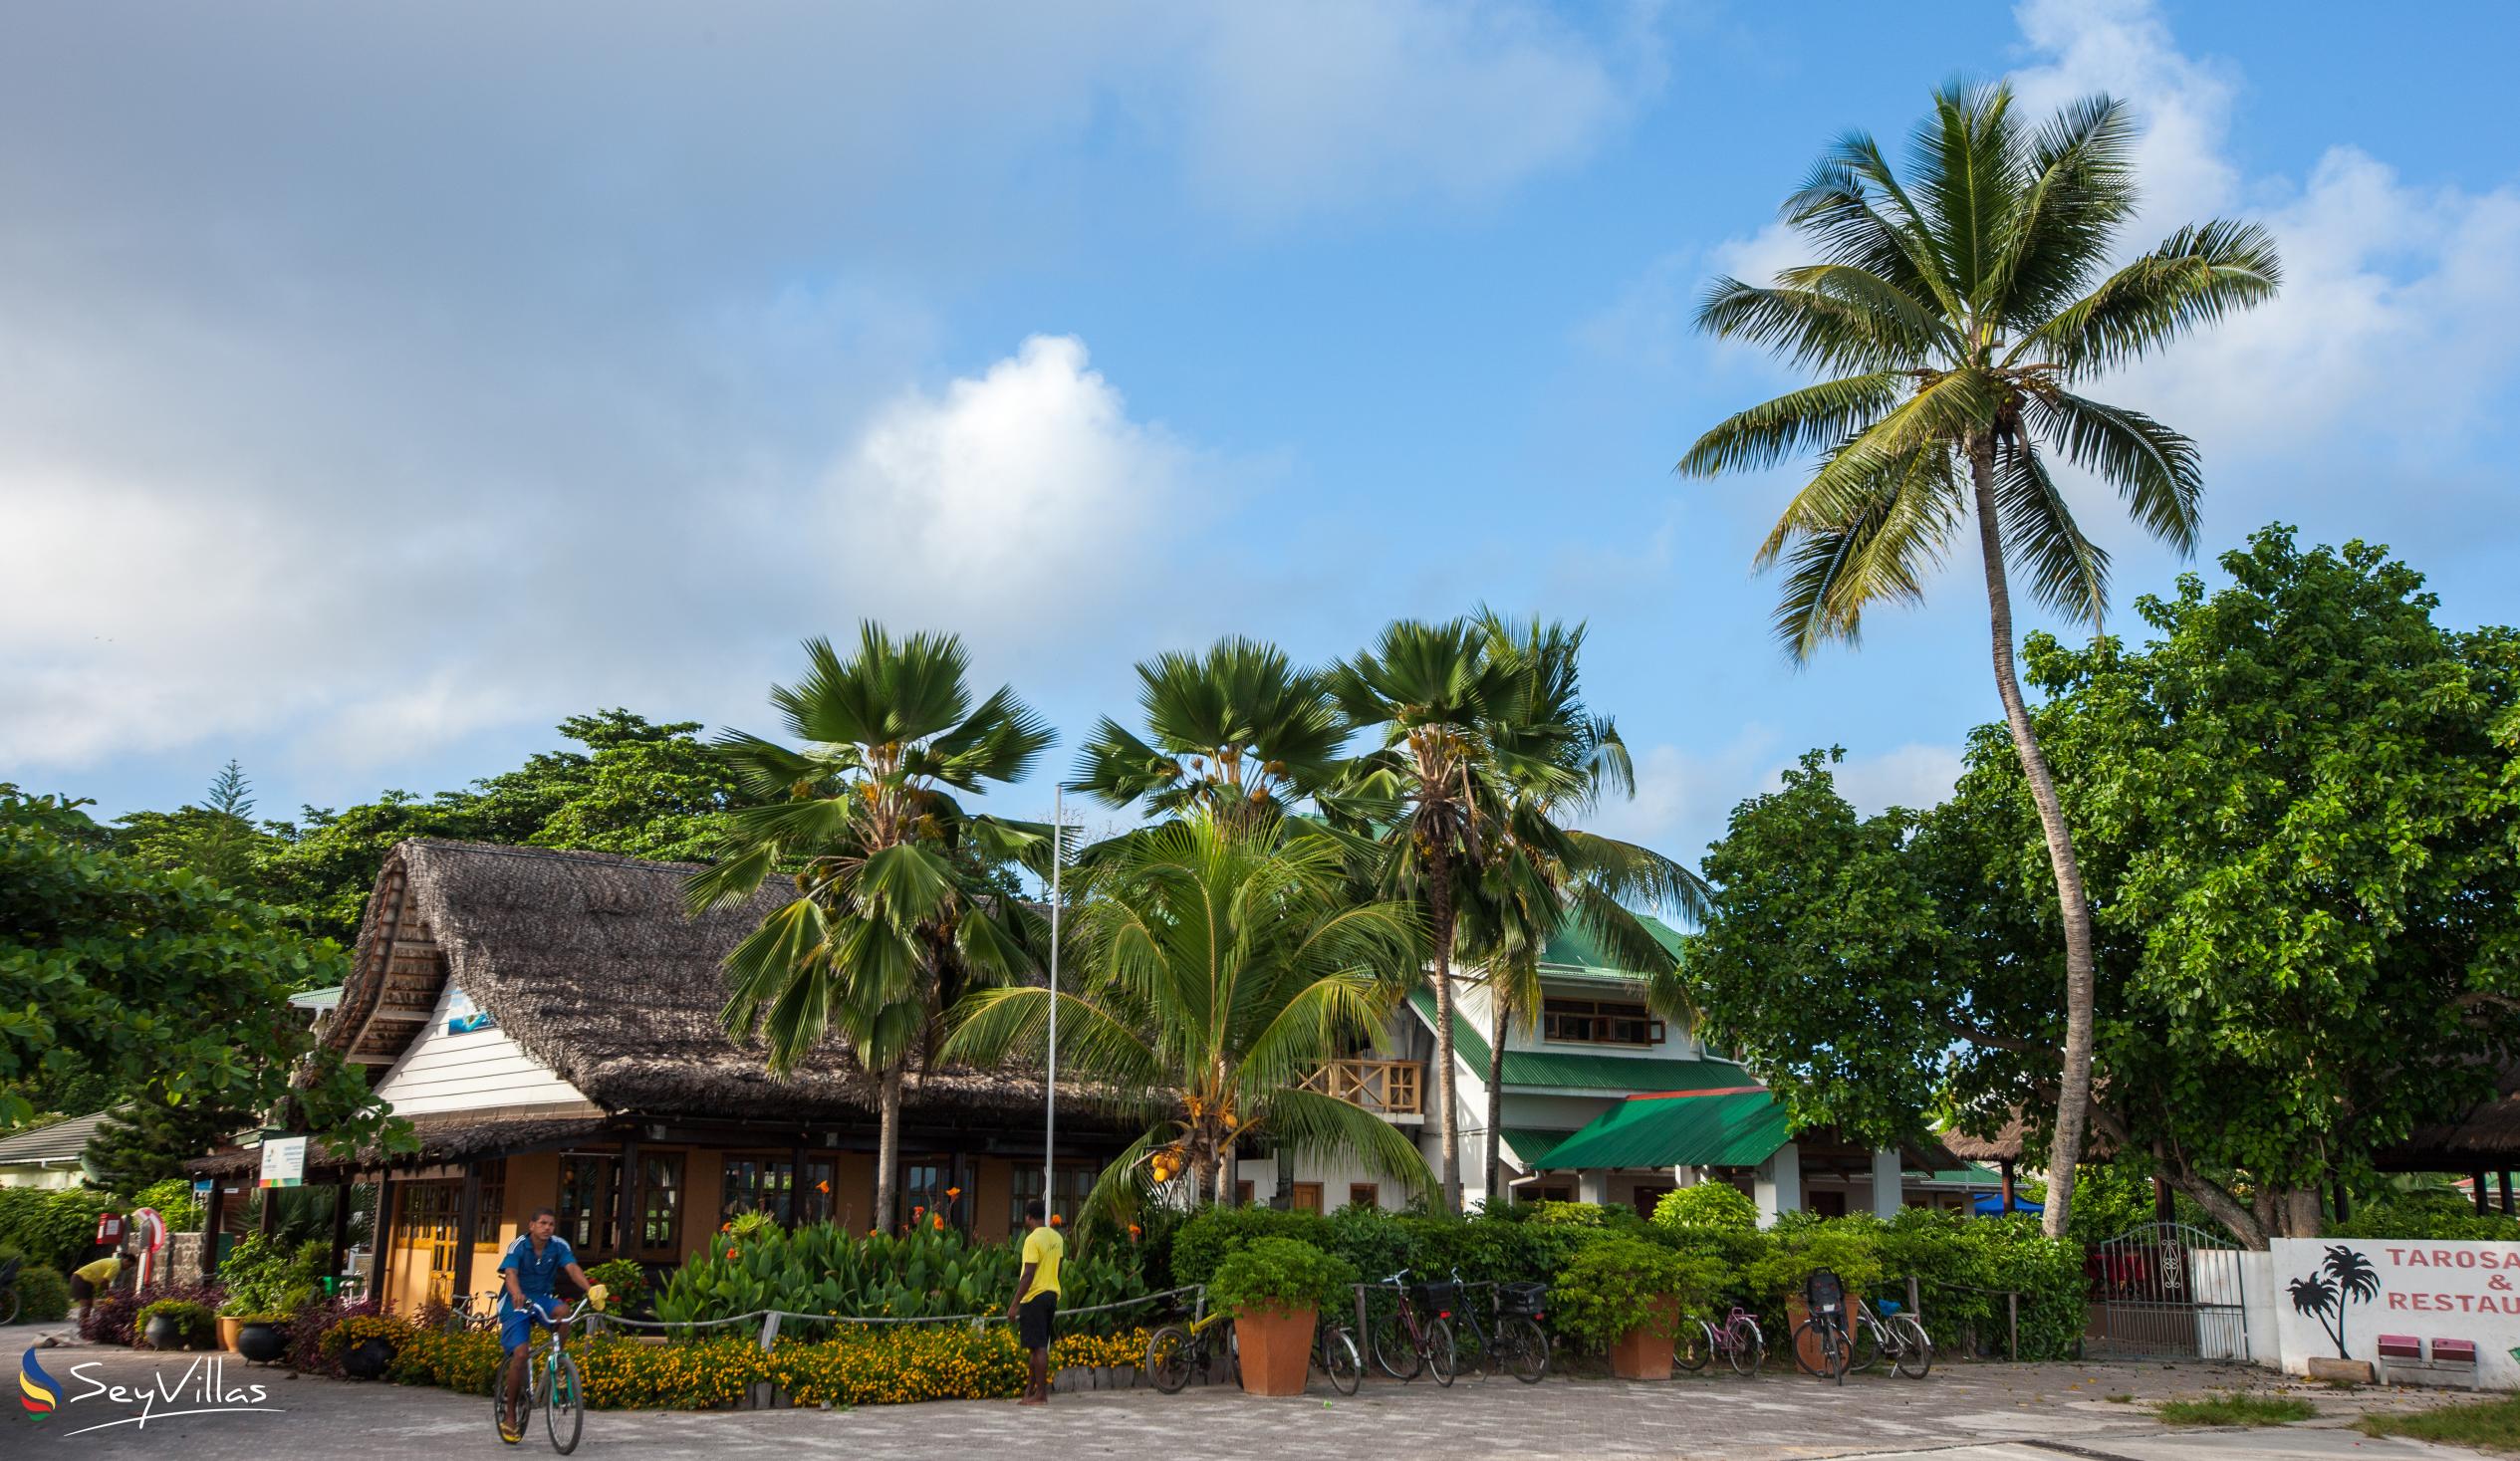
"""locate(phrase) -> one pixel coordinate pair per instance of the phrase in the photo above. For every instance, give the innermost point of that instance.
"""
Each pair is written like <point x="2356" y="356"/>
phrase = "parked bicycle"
<point x="1887" y="1333"/>
<point x="466" y="1312"/>
<point x="1737" y="1340"/>
<point x="1335" y="1354"/>
<point x="1177" y="1352"/>
<point x="1510" y="1340"/>
<point x="552" y="1386"/>
<point x="1822" y="1344"/>
<point x="1414" y="1336"/>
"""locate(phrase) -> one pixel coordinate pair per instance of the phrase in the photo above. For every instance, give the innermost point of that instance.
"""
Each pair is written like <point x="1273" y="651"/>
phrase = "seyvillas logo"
<point x="202" y="1389"/>
<point x="36" y="1390"/>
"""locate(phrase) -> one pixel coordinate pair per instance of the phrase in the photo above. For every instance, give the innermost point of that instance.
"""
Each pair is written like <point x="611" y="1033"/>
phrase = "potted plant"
<point x="1778" y="1279"/>
<point x="1624" y="1296"/>
<point x="176" y="1324"/>
<point x="262" y="1337"/>
<point x="365" y="1345"/>
<point x="267" y="1285"/>
<point x="1274" y="1288"/>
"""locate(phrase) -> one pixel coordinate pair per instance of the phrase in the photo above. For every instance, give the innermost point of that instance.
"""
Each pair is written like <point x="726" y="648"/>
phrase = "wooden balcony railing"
<point x="1387" y="1087"/>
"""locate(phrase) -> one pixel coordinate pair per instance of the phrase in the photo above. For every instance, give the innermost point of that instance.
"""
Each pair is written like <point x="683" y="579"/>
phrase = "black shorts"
<point x="80" y="1291"/>
<point x="1032" y="1325"/>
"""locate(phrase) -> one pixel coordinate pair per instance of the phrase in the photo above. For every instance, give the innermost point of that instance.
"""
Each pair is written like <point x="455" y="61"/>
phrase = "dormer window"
<point x="1597" y="1022"/>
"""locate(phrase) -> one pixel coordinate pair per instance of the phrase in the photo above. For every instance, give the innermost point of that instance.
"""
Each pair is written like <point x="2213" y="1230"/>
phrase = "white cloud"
<point x="1684" y="798"/>
<point x="1914" y="775"/>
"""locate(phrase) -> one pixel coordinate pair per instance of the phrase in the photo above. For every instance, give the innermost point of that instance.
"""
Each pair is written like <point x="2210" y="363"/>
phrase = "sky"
<point x="381" y="384"/>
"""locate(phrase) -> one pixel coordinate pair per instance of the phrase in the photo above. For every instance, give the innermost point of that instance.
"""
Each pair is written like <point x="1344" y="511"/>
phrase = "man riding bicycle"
<point x="528" y="1275"/>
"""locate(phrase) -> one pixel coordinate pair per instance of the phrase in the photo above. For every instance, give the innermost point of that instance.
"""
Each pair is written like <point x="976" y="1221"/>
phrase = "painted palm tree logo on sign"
<point x="2344" y="1277"/>
<point x="37" y="1391"/>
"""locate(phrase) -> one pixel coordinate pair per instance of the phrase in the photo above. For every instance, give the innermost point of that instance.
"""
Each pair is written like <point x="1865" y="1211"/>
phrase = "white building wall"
<point x="474" y="1071"/>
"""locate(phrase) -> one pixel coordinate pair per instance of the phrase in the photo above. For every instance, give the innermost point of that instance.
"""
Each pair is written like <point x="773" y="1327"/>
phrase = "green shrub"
<point x="1205" y="1240"/>
<point x="1280" y="1274"/>
<point x="1716" y="1207"/>
<point x="265" y="1278"/>
<point x="624" y="1283"/>
<point x="2436" y="1217"/>
<point x="1616" y="1283"/>
<point x="193" y="1321"/>
<point x="1848" y="1247"/>
<point x="43" y="1295"/>
<point x="173" y="1200"/>
<point x="52" y="1226"/>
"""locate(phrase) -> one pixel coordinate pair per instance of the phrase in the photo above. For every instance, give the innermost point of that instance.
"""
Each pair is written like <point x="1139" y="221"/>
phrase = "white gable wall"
<point x="476" y="1070"/>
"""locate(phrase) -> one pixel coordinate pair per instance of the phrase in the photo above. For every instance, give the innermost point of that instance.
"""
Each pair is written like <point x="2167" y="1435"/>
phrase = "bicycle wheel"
<point x="1745" y="1346"/>
<point x="1526" y="1350"/>
<point x="1395" y="1350"/>
<point x="1168" y="1358"/>
<point x="1693" y="1346"/>
<point x="1441" y="1356"/>
<point x="1916" y="1348"/>
<point x="564" y="1415"/>
<point x="1818" y="1350"/>
<point x="9" y="1307"/>
<point x="1339" y="1359"/>
<point x="499" y="1406"/>
<point x="1865" y="1345"/>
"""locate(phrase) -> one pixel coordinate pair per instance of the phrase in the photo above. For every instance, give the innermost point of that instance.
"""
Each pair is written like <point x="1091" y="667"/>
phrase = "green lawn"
<point x="2237" y="1410"/>
<point x="2488" y="1425"/>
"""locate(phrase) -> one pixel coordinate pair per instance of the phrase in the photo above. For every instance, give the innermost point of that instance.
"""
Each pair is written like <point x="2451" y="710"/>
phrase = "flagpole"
<point x="1050" y="1095"/>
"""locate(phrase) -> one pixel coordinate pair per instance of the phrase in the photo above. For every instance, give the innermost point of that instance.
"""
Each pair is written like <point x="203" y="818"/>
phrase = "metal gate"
<point x="2166" y="1291"/>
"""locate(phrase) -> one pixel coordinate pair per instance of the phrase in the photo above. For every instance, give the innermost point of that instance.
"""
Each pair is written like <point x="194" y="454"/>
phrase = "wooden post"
<point x="1913" y="1306"/>
<point x="210" y="1225"/>
<point x="2012" y="1325"/>
<point x="625" y="1242"/>
<point x="2010" y="1201"/>
<point x="2343" y="1202"/>
<point x="2505" y="1179"/>
<point x="268" y="1222"/>
<point x="341" y="1229"/>
<point x="2482" y="1205"/>
<point x="380" y="1239"/>
<point x="467" y="1212"/>
<point x="796" y="1186"/>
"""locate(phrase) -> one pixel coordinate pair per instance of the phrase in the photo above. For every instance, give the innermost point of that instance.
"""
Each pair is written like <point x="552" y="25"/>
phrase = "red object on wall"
<point x="109" y="1229"/>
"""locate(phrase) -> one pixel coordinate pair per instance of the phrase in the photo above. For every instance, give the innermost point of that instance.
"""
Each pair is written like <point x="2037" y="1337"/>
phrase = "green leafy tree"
<point x="1222" y="960"/>
<point x="218" y="838"/>
<point x="155" y="981"/>
<point x="1953" y="313"/>
<point x="1237" y="730"/>
<point x="895" y="911"/>
<point x="2298" y="805"/>
<point x="148" y="1141"/>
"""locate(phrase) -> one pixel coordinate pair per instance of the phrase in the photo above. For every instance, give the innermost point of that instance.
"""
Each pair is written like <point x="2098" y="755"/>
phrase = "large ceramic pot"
<point x="227" y="1331"/>
<point x="261" y="1344"/>
<point x="368" y="1360"/>
<point x="1807" y="1352"/>
<point x="1276" y="1349"/>
<point x="164" y="1331"/>
<point x="1644" y="1352"/>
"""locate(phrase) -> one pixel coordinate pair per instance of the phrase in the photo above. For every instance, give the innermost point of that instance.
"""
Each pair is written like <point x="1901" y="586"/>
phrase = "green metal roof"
<point x="1971" y="1175"/>
<point x="1572" y="948"/>
<point x="1722" y="1128"/>
<point x="1529" y="1145"/>
<point x="1576" y="1070"/>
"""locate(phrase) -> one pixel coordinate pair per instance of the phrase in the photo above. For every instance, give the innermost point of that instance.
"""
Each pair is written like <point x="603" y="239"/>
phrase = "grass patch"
<point x="2488" y="1425"/>
<point x="2121" y="1399"/>
<point x="2237" y="1410"/>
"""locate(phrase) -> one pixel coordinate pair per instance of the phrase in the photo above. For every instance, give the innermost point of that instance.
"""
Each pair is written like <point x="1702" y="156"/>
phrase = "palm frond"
<point x="1899" y="524"/>
<point x="2155" y="469"/>
<point x="2068" y="572"/>
<point x="2079" y="195"/>
<point x="2197" y="276"/>
<point x="1800" y="420"/>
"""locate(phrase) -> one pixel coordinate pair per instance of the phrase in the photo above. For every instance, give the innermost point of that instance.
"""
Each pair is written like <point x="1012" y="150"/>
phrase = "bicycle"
<point x="554" y="1385"/>
<point x="1176" y="1351"/>
<point x="1900" y="1339"/>
<point x="1737" y="1338"/>
<point x="1335" y="1354"/>
<point x="9" y="1290"/>
<point x="1518" y="1346"/>
<point x="1406" y="1344"/>
<point x="1826" y="1330"/>
<point x="468" y="1312"/>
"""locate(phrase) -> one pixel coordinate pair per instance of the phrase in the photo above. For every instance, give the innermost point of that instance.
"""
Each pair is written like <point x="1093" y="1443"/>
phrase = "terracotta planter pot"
<point x="227" y="1332"/>
<point x="1277" y="1350"/>
<point x="1806" y="1348"/>
<point x="1644" y="1352"/>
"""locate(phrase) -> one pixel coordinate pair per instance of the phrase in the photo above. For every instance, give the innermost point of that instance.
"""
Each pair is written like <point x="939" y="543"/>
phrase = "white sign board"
<point x="2338" y="1295"/>
<point x="284" y="1161"/>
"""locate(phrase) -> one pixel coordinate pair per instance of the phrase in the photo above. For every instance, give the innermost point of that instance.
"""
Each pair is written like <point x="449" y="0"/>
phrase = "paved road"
<point x="1961" y="1413"/>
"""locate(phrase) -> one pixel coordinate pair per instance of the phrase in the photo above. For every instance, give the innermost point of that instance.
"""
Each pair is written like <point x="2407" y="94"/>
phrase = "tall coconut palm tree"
<point x="895" y="908"/>
<point x="1442" y="700"/>
<point x="1541" y="876"/>
<point x="1237" y="730"/>
<point x="1223" y="960"/>
<point x="1954" y="312"/>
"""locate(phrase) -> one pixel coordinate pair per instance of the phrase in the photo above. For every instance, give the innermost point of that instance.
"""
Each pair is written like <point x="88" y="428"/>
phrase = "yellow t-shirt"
<point x="1043" y="1247"/>
<point x="100" y="1272"/>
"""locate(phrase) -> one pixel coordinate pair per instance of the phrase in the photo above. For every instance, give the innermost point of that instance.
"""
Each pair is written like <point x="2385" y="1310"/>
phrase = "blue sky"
<point x="376" y="388"/>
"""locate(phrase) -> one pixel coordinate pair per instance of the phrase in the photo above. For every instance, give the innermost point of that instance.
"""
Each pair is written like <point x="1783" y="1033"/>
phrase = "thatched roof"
<point x="590" y="963"/>
<point x="448" y="1136"/>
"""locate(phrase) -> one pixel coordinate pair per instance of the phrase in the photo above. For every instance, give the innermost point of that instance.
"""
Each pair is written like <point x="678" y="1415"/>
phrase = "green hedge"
<point x="2439" y="1217"/>
<point x="52" y="1226"/>
<point x="43" y="1295"/>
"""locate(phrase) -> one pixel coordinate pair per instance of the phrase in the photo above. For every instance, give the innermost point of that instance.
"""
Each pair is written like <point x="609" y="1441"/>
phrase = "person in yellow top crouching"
<point x="103" y="1276"/>
<point x="1037" y="1298"/>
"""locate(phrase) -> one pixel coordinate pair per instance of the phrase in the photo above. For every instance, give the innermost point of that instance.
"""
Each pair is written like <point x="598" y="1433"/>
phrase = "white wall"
<point x="474" y="1071"/>
<point x="2428" y="1291"/>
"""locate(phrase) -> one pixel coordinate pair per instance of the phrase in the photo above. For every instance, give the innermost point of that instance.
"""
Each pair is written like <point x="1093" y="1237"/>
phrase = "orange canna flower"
<point x="1056" y="1220"/>
<point x="939" y="1221"/>
<point x="730" y="1253"/>
<point x="953" y="1192"/>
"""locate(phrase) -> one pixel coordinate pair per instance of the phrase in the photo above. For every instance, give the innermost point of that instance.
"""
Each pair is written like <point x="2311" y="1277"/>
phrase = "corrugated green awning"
<point x="1529" y="1145"/>
<point x="1717" y="1128"/>
<point x="1551" y="1070"/>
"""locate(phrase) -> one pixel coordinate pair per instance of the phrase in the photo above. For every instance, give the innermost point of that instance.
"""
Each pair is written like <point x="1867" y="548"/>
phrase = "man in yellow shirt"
<point x="1037" y="1298"/>
<point x="89" y="1279"/>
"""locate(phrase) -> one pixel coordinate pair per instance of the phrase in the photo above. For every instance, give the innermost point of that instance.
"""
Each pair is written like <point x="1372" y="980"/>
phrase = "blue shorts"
<point x="516" y="1325"/>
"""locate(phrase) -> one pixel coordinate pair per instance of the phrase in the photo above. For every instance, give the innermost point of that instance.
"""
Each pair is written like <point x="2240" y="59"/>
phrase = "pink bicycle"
<point x="1737" y="1340"/>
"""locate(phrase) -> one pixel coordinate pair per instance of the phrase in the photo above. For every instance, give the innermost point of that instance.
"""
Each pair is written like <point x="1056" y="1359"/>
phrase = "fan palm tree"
<point x="896" y="906"/>
<point x="1540" y="875"/>
<point x="1224" y="960"/>
<point x="1953" y="313"/>
<point x="1237" y="730"/>
<point x="1440" y="699"/>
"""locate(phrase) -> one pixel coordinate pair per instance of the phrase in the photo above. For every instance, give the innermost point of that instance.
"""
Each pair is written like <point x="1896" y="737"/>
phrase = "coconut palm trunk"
<point x="2073" y="1107"/>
